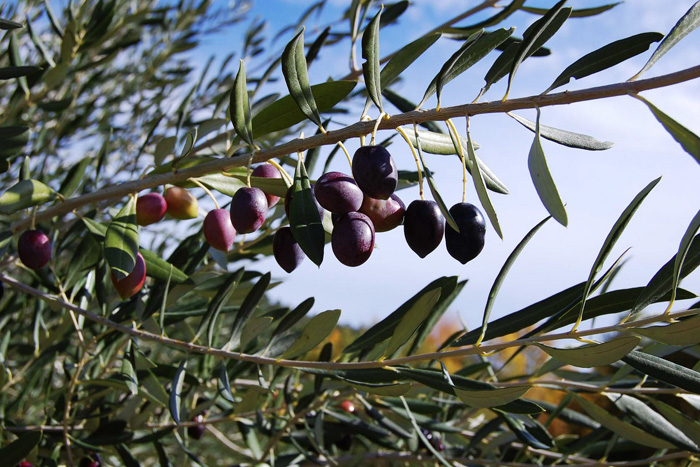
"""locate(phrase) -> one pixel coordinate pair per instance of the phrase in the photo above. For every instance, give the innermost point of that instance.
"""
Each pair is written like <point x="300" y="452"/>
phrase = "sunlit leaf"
<point x="492" y="397"/>
<point x="685" y="332"/>
<point x="240" y="107"/>
<point x="564" y="137"/>
<point x="414" y="317"/>
<point x="664" y="370"/>
<point x="315" y="331"/>
<point x="297" y="78"/>
<point x="25" y="194"/>
<point x="592" y="355"/>
<point x="122" y="240"/>
<point x="480" y="187"/>
<point x="370" y="67"/>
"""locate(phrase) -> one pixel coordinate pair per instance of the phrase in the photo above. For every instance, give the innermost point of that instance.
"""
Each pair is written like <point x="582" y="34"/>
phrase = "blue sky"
<point x="596" y="186"/>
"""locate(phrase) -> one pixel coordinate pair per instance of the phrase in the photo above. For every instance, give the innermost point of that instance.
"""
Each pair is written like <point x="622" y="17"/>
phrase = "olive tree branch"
<point x="358" y="129"/>
<point x="469" y="350"/>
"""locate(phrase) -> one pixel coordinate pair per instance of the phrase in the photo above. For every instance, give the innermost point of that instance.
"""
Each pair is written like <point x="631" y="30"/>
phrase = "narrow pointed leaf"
<point x="25" y="194"/>
<point x="447" y="295"/>
<point x="216" y="305"/>
<point x="688" y="140"/>
<point x="475" y="48"/>
<point x="548" y="25"/>
<point x="297" y="78"/>
<point x="74" y="177"/>
<point x="480" y="186"/>
<point x="684" y="26"/>
<point x="247" y="308"/>
<point x="528" y="430"/>
<point x="370" y="68"/>
<point x="606" y="57"/>
<point x="614" y="235"/>
<point x="412" y="320"/>
<point x="159" y="269"/>
<point x="421" y="436"/>
<point x="564" y="137"/>
<point x="128" y="370"/>
<point x="315" y="48"/>
<point x="315" y="331"/>
<point x="650" y="421"/>
<point x="122" y="240"/>
<point x="6" y="24"/>
<point x="504" y="272"/>
<point x="176" y="391"/>
<point x="542" y="179"/>
<point x="664" y="370"/>
<point x="404" y="105"/>
<point x="12" y="72"/>
<point x="488" y="398"/>
<point x="240" y="107"/>
<point x="284" y="113"/>
<point x="504" y="13"/>
<point x="293" y="317"/>
<point x="252" y="329"/>
<point x="662" y="282"/>
<point x="683" y="252"/>
<point x="386" y="390"/>
<point x="592" y="355"/>
<point x="405" y="57"/>
<point x="223" y="385"/>
<point x="580" y="13"/>
<point x="690" y="427"/>
<point x="621" y="428"/>
<point x="304" y="218"/>
<point x="385" y="328"/>
<point x="685" y="332"/>
<point x="22" y="447"/>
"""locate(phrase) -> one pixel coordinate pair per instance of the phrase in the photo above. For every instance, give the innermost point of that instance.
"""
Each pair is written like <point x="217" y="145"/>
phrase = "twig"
<point x="361" y="128"/>
<point x="471" y="350"/>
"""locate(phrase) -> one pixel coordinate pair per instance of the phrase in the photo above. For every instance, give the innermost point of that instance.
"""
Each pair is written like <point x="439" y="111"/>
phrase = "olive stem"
<point x="361" y="128"/>
<point x="415" y="156"/>
<point x="281" y="170"/>
<point x="451" y="128"/>
<point x="208" y="192"/>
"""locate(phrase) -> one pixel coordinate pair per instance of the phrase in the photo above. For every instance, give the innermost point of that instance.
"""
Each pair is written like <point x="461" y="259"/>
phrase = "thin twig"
<point x="361" y="128"/>
<point x="470" y="350"/>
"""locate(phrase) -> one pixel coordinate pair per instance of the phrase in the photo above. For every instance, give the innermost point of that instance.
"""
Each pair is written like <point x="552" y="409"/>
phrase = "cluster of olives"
<point x="365" y="203"/>
<point x="92" y="460"/>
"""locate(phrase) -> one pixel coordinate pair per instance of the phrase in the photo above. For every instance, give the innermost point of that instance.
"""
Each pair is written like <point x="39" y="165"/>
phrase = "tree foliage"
<point x="100" y="102"/>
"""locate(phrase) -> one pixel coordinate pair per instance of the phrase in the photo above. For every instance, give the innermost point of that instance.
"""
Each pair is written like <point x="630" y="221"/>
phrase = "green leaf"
<point x="386" y="390"/>
<point x="684" y="26"/>
<point x="247" y="308"/>
<point x="688" y="140"/>
<point x="542" y="179"/>
<point x="528" y="430"/>
<point x="74" y="177"/>
<point x="240" y="107"/>
<point x="650" y="421"/>
<point x="316" y="46"/>
<point x="474" y="49"/>
<point x="223" y="385"/>
<point x="593" y="355"/>
<point x="421" y="436"/>
<point x="25" y="194"/>
<point x="403" y="58"/>
<point x="224" y="184"/>
<point x="12" y="72"/>
<point x="690" y="427"/>
<point x="252" y="329"/>
<point x="297" y="78"/>
<point x="6" y="24"/>
<point x="159" y="269"/>
<point x="284" y="113"/>
<point x="16" y="451"/>
<point x="580" y="13"/>
<point x="606" y="57"/>
<point x="621" y="428"/>
<point x="411" y="320"/>
<point x="304" y="219"/>
<point x="685" y="332"/>
<point x="665" y="371"/>
<point x="564" y="137"/>
<point x="164" y="148"/>
<point x="293" y="317"/>
<point x="488" y="398"/>
<point x="662" y="282"/>
<point x="370" y="67"/>
<point x="404" y="105"/>
<point x="505" y="12"/>
<point x="315" y="331"/>
<point x="546" y="26"/>
<point x="448" y="293"/>
<point x="128" y="372"/>
<point x="385" y="328"/>
<point x="480" y="186"/>
<point x="504" y="63"/>
<point x="176" y="391"/>
<point x="613" y="236"/>
<point x="122" y="240"/>
<point x="217" y="303"/>
<point x="503" y="273"/>
<point x="683" y="252"/>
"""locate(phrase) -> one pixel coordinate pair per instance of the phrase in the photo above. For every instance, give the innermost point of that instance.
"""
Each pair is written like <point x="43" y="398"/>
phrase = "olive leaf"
<point x="297" y="78"/>
<point x="240" y="106"/>
<point x="122" y="240"/>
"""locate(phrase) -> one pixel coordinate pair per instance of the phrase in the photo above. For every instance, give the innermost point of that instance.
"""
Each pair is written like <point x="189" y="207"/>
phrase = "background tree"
<point x="199" y="365"/>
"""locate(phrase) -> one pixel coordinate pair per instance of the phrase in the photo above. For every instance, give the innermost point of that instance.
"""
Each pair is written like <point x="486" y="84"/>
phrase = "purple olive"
<point x="131" y="284"/>
<point x="338" y="193"/>
<point x="218" y="229"/>
<point x="353" y="239"/>
<point x="374" y="171"/>
<point x="196" y="431"/>
<point x="386" y="214"/>
<point x="268" y="171"/>
<point x="466" y="244"/>
<point x="92" y="460"/>
<point x="34" y="249"/>
<point x="248" y="209"/>
<point x="288" y="201"/>
<point x="150" y="208"/>
<point x="423" y="226"/>
<point x="287" y="251"/>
